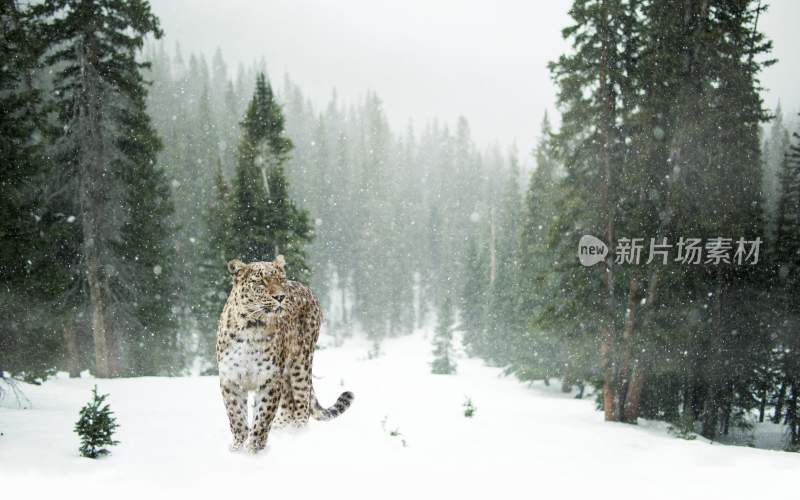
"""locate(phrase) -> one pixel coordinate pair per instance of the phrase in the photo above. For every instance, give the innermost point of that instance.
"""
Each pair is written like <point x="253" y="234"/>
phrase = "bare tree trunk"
<point x="726" y="419"/>
<point x="95" y="176"/>
<point x="710" y="415"/>
<point x="607" y="335"/>
<point x="104" y="348"/>
<point x="776" y="417"/>
<point x="762" y="404"/>
<point x="628" y="338"/>
<point x="633" y="397"/>
<point x="71" y="352"/>
<point x="714" y="391"/>
<point x="633" y="400"/>
<point x="791" y="415"/>
<point x="568" y="379"/>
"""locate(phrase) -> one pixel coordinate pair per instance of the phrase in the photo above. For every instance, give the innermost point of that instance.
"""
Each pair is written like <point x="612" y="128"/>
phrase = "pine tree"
<point x="265" y="220"/>
<point x="444" y="362"/>
<point x="21" y="145"/>
<point x="146" y="280"/>
<point x="542" y="350"/>
<point x="774" y="149"/>
<point x="504" y="321"/>
<point x="37" y="236"/>
<point x="594" y="83"/>
<point x="787" y="291"/>
<point x="96" y="426"/>
<point x="211" y="270"/>
<point x="473" y="302"/>
<point x="100" y="95"/>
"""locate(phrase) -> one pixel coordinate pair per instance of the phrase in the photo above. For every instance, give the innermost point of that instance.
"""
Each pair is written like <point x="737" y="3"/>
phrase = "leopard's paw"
<point x="256" y="445"/>
<point x="236" y="445"/>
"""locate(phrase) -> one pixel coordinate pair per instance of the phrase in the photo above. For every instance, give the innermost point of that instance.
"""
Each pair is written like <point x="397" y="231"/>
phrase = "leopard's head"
<point x="259" y="286"/>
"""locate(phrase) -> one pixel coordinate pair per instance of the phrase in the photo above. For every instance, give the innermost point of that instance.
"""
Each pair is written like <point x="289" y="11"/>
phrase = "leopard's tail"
<point x="342" y="404"/>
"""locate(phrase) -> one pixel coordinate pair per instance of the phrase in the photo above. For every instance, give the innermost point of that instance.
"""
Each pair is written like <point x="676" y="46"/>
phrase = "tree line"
<point x="660" y="137"/>
<point x="193" y="165"/>
<point x="387" y="214"/>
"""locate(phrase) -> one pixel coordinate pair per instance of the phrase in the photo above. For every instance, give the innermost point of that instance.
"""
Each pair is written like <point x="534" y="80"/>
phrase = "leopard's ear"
<point x="235" y="266"/>
<point x="280" y="262"/>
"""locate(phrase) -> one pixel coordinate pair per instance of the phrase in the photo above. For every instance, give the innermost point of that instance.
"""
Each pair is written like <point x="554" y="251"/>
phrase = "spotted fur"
<point x="265" y="345"/>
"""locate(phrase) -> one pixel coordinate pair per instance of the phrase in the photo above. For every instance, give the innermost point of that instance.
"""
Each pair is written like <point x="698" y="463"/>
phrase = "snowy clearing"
<point x="522" y="442"/>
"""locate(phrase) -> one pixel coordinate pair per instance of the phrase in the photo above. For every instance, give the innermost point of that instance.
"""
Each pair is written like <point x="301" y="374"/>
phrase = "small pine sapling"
<point x="469" y="408"/>
<point x="96" y="426"/>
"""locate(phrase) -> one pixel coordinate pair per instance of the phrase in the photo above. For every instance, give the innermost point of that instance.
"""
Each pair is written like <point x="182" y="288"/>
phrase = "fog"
<point x="214" y="239"/>
<point x="484" y="60"/>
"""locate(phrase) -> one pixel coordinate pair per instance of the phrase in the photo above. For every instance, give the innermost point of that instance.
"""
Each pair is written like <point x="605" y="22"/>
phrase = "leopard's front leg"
<point x="267" y="398"/>
<point x="236" y="405"/>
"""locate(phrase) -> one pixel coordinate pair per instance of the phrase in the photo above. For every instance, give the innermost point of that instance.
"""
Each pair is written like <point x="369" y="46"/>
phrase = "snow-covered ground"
<point x="522" y="443"/>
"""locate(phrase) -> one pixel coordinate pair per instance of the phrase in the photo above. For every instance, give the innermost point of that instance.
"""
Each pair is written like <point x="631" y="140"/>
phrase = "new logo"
<point x="591" y="250"/>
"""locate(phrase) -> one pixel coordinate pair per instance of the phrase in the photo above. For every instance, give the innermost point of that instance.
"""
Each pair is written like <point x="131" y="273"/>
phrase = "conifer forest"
<point x="635" y="251"/>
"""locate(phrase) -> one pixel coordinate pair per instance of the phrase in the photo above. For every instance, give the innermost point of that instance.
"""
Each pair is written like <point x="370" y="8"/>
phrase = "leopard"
<point x="266" y="338"/>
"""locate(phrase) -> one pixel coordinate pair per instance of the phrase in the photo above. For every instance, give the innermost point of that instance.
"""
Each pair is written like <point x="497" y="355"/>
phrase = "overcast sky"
<point x="485" y="60"/>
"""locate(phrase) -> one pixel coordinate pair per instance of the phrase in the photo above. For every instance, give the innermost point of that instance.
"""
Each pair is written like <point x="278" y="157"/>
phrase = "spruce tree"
<point x="541" y="350"/>
<point x="444" y="362"/>
<point x="504" y="319"/>
<point x="774" y="148"/>
<point x="786" y="293"/>
<point x="265" y="221"/>
<point x="473" y="301"/>
<point x="591" y="146"/>
<point x="146" y="279"/>
<point x="211" y="269"/>
<point x="96" y="426"/>
<point x="107" y="150"/>
<point x="38" y="236"/>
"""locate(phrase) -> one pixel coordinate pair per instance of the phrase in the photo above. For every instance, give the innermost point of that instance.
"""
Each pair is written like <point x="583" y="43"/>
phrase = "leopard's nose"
<point x="279" y="298"/>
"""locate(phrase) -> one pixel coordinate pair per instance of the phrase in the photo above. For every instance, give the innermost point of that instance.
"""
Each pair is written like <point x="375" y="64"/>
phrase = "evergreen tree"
<point x="105" y="145"/>
<point x="504" y="320"/>
<point x="473" y="302"/>
<point x="774" y="149"/>
<point x="444" y="362"/>
<point x="38" y="240"/>
<point x="540" y="351"/>
<point x="265" y="220"/>
<point x="96" y="426"/>
<point x="594" y="83"/>
<point x="146" y="280"/>
<point x="211" y="269"/>
<point x="786" y="293"/>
